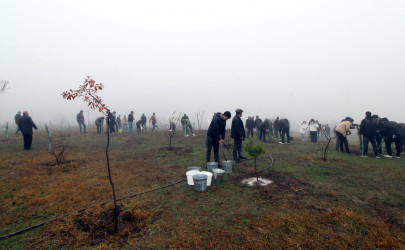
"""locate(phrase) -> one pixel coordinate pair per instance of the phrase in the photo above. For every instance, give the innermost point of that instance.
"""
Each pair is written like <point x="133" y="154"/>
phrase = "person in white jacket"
<point x="303" y="130"/>
<point x="313" y="130"/>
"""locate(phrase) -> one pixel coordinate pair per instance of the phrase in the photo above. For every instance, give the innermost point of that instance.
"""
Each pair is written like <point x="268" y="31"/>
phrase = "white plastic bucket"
<point x="209" y="177"/>
<point x="189" y="175"/>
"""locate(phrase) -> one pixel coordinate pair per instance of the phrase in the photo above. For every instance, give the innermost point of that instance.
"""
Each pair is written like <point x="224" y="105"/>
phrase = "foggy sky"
<point x="296" y="59"/>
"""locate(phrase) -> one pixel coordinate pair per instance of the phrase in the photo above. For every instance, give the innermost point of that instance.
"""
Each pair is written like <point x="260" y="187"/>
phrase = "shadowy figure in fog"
<point x="112" y="122"/>
<point x="263" y="129"/>
<point x="139" y="126"/>
<point x="131" y="122"/>
<point x="80" y="121"/>
<point x="26" y="124"/>
<point x="17" y="118"/>
<point x="143" y="121"/>
<point x="99" y="124"/>
<point x="185" y="121"/>
<point x="125" y="124"/>
<point x="313" y="130"/>
<point x="257" y="122"/>
<point x="153" y="120"/>
<point x="250" y="125"/>
<point x="119" y="124"/>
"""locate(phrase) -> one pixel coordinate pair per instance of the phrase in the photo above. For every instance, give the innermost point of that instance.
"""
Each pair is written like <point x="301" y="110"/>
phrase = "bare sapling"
<point x="173" y="120"/>
<point x="4" y="85"/>
<point x="329" y="138"/>
<point x="200" y="115"/>
<point x="88" y="92"/>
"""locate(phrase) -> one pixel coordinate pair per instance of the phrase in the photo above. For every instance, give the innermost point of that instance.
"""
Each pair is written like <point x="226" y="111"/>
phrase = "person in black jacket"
<point x="17" y="118"/>
<point x="390" y="131"/>
<point x="257" y="122"/>
<point x="379" y="137"/>
<point x="216" y="134"/>
<point x="250" y="125"/>
<point x="238" y="135"/>
<point x="111" y="122"/>
<point x="368" y="128"/>
<point x="263" y="128"/>
<point x="131" y="122"/>
<point x="26" y="124"/>
<point x="276" y="128"/>
<point x="284" y="127"/>
<point x="143" y="120"/>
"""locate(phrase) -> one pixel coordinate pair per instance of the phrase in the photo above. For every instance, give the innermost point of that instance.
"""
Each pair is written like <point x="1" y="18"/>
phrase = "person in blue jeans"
<point x="131" y="122"/>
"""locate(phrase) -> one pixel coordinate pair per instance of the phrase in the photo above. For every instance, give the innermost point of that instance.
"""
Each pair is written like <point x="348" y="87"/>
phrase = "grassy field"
<point x="346" y="202"/>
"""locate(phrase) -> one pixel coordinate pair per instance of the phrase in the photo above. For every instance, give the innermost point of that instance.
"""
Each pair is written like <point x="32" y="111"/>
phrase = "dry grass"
<point x="343" y="203"/>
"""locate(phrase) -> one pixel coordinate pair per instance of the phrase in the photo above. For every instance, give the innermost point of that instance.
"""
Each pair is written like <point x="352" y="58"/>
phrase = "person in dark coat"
<point x="263" y="128"/>
<point x="26" y="124"/>
<point x="250" y="125"/>
<point x="99" y="124"/>
<point x="284" y="127"/>
<point x="257" y="122"/>
<point x="390" y="131"/>
<point x="143" y="120"/>
<point x="379" y="136"/>
<point x="139" y="126"/>
<point x="131" y="122"/>
<point x="276" y="129"/>
<point x="402" y="136"/>
<point x="368" y="128"/>
<point x="119" y="124"/>
<point x="112" y="122"/>
<point x="80" y="121"/>
<point x="238" y="135"/>
<point x="17" y="118"/>
<point x="216" y="134"/>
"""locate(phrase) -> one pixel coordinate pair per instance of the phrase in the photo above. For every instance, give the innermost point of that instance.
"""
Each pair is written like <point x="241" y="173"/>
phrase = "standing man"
<point x="257" y="122"/>
<point x="390" y="131"/>
<point x="17" y="118"/>
<point x="250" y="124"/>
<point x="125" y="123"/>
<point x="119" y="124"/>
<point x="80" y="120"/>
<point x="153" y="120"/>
<point x="238" y="135"/>
<point x="131" y="122"/>
<point x="276" y="129"/>
<point x="26" y="124"/>
<point x="368" y="128"/>
<point x="216" y="134"/>
<point x="379" y="136"/>
<point x="112" y="122"/>
<point x="284" y="127"/>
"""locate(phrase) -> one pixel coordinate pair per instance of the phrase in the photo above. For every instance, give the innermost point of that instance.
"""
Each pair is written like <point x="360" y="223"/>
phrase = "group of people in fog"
<point x="373" y="129"/>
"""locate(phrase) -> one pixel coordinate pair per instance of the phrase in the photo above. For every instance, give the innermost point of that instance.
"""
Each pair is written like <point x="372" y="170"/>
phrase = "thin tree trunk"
<point x="109" y="175"/>
<point x="257" y="177"/>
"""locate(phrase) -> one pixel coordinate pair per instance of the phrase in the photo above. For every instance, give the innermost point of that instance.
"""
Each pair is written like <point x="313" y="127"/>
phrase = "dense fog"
<point x="294" y="59"/>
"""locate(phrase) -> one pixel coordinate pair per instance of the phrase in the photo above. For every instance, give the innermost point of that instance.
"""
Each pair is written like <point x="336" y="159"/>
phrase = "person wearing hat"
<point x="80" y="120"/>
<point x="216" y="134"/>
<point x="368" y="128"/>
<point x="391" y="133"/>
<point x="238" y="135"/>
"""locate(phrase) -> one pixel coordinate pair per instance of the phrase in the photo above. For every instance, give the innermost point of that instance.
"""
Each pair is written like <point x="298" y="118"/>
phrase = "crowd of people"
<point x="373" y="129"/>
